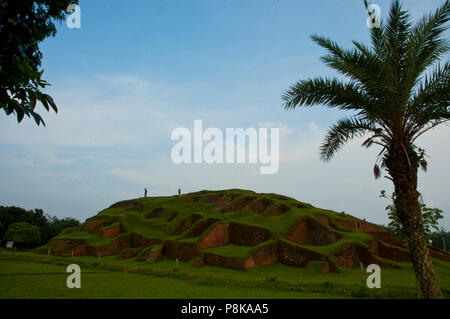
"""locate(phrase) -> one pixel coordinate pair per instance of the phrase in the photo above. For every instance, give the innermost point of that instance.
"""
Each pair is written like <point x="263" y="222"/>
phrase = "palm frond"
<point x="359" y="65"/>
<point x="343" y="131"/>
<point x="384" y="85"/>
<point x="431" y="101"/>
<point x="396" y="33"/>
<point x="378" y="39"/>
<point x="425" y="45"/>
<point x="330" y="92"/>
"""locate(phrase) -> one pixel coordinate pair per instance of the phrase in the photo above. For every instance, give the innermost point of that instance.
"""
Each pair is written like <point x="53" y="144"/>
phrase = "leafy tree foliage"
<point x="54" y="226"/>
<point x="23" y="25"/>
<point x="23" y="234"/>
<point x="49" y="226"/>
<point x="430" y="217"/>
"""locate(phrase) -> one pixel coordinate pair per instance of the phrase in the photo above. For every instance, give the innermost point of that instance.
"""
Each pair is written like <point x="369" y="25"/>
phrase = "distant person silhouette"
<point x="179" y="191"/>
<point x="145" y="192"/>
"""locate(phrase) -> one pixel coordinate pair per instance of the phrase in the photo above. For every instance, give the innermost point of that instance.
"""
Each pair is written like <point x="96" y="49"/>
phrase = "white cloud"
<point x="106" y="145"/>
<point x="346" y="183"/>
<point x="140" y="178"/>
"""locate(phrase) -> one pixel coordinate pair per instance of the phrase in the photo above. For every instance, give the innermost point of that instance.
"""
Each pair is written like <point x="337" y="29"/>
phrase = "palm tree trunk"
<point x="403" y="165"/>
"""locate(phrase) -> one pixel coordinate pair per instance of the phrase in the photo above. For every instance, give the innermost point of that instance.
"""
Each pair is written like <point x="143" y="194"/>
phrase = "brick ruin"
<point x="195" y="234"/>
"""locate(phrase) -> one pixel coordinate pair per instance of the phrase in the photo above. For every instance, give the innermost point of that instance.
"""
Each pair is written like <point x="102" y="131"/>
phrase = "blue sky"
<point x="138" y="69"/>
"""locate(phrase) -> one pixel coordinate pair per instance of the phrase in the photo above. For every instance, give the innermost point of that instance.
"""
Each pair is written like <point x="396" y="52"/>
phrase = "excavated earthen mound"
<point x="232" y="228"/>
<point x="259" y="206"/>
<point x="310" y="231"/>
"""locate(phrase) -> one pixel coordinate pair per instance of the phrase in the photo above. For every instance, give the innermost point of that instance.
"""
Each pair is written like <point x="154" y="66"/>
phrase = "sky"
<point x="136" y="70"/>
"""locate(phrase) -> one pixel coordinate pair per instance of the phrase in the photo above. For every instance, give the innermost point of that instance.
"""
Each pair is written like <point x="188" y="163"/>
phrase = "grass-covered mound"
<point x="235" y="228"/>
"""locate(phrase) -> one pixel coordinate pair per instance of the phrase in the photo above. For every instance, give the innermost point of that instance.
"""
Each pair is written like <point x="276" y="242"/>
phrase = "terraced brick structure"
<point x="234" y="228"/>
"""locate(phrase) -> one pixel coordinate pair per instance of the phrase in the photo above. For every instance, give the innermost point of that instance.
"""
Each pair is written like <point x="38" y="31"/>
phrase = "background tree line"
<point x="30" y="228"/>
<point x="439" y="239"/>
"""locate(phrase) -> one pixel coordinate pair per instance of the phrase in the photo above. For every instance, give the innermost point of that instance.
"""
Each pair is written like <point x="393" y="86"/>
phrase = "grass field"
<point x="27" y="275"/>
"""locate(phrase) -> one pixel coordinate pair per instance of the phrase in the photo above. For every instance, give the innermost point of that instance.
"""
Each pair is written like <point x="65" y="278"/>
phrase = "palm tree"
<point x="396" y="90"/>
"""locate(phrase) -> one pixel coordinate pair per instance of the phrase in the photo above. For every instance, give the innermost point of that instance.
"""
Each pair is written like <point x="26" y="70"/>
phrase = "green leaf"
<point x="376" y="171"/>
<point x="32" y="98"/>
<point x="51" y="102"/>
<point x="44" y="102"/>
<point x="423" y="165"/>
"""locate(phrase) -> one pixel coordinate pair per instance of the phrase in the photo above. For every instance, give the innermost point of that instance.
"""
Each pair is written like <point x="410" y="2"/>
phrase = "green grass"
<point x="92" y="239"/>
<point x="32" y="279"/>
<point x="233" y="250"/>
<point x="27" y="275"/>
